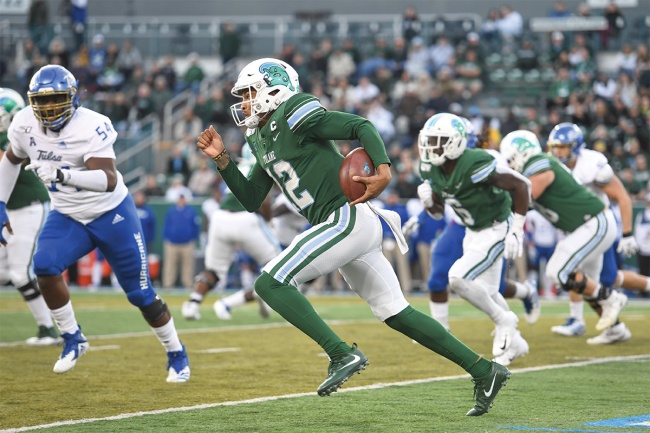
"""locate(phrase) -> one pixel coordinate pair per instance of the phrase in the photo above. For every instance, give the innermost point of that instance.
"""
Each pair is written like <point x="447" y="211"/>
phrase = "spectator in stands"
<point x="559" y="10"/>
<point x="340" y="64"/>
<point x="302" y="68"/>
<point x="419" y="58"/>
<point x="180" y="233"/>
<point x="177" y="163"/>
<point x="190" y="124"/>
<point x="152" y="188"/>
<point x="558" y="46"/>
<point x="632" y="186"/>
<point x="97" y="56"/>
<point x="79" y="22"/>
<point x="641" y="172"/>
<point x="364" y="92"/>
<point x="615" y="25"/>
<point x="203" y="179"/>
<point x="193" y="75"/>
<point x="348" y="45"/>
<point x="25" y="52"/>
<point x="176" y="189"/>
<point x="602" y="114"/>
<point x="441" y="54"/>
<point x="57" y="53"/>
<point x="382" y="118"/>
<point x="143" y="103"/>
<point x="38" y="23"/>
<point x="642" y="236"/>
<point x="474" y="44"/>
<point x="468" y="74"/>
<point x="626" y="59"/>
<point x="160" y="96"/>
<point x="560" y="90"/>
<point x="117" y="109"/>
<point x="511" y="23"/>
<point x="343" y="96"/>
<point x="128" y="59"/>
<point x="627" y="89"/>
<point x="401" y="50"/>
<point x="229" y="42"/>
<point x="490" y="30"/>
<point x="411" y="25"/>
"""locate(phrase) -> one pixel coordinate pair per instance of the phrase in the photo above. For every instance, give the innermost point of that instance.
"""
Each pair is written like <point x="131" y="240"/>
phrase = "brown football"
<point x="356" y="163"/>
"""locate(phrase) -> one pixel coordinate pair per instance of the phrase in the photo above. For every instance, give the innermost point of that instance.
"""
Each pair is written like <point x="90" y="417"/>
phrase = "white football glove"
<point x="514" y="243"/>
<point x="425" y="193"/>
<point x="411" y="226"/>
<point x="47" y="172"/>
<point x="627" y="246"/>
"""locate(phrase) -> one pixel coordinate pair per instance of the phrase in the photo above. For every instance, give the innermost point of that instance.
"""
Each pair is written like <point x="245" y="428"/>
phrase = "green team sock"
<point x="289" y="303"/>
<point x="431" y="334"/>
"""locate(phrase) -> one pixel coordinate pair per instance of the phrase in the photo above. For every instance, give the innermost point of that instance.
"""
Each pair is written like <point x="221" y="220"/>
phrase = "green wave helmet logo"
<point x="522" y="144"/>
<point x="276" y="75"/>
<point x="459" y="126"/>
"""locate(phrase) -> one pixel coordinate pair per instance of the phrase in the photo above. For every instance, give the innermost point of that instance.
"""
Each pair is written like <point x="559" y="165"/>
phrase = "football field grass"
<point x="260" y="375"/>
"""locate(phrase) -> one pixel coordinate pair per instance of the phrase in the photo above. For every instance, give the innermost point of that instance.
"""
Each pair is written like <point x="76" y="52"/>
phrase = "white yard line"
<point x="312" y="394"/>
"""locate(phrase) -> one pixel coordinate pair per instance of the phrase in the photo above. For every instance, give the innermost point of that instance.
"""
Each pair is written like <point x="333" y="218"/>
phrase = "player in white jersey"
<point x="591" y="169"/>
<point x="246" y="231"/>
<point x="71" y="150"/>
<point x="27" y="206"/>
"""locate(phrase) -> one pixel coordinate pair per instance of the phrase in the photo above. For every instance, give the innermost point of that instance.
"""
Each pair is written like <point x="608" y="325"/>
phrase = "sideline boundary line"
<point x="311" y="394"/>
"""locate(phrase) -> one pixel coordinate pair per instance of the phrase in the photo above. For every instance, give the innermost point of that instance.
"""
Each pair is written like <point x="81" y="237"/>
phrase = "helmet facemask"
<point x="442" y="131"/>
<point x="53" y="109"/>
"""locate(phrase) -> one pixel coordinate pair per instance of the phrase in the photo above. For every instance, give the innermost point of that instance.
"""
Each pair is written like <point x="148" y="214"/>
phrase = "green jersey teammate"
<point x="291" y="136"/>
<point x="589" y="225"/>
<point x="477" y="188"/>
<point x="27" y="207"/>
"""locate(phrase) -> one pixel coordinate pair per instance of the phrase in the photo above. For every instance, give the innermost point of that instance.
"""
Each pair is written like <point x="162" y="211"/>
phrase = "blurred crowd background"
<point x="162" y="81"/>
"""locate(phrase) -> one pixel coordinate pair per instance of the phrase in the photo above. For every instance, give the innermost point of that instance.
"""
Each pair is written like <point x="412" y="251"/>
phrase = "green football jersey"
<point x="564" y="203"/>
<point x="295" y="150"/>
<point x="28" y="188"/>
<point x="477" y="203"/>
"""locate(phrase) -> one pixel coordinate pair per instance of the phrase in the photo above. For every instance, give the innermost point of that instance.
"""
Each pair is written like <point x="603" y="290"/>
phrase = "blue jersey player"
<point x="70" y="149"/>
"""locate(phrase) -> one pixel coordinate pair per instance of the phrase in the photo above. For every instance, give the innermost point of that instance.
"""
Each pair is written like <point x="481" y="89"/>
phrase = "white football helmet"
<point x="273" y="81"/>
<point x="446" y="131"/>
<point x="10" y="103"/>
<point x="517" y="148"/>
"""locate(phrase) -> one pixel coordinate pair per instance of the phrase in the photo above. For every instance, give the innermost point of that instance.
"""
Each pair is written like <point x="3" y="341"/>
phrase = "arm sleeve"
<point x="249" y="192"/>
<point x="335" y="125"/>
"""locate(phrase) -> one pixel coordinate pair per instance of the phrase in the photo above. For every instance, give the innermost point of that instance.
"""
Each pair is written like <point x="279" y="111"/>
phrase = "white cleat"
<point x="74" y="346"/>
<point x="572" y="328"/>
<point x="504" y="334"/>
<point x="532" y="305"/>
<point x="612" y="307"/>
<point x="222" y="310"/>
<point x="190" y="310"/>
<point x="45" y="337"/>
<point x="615" y="334"/>
<point x="518" y="349"/>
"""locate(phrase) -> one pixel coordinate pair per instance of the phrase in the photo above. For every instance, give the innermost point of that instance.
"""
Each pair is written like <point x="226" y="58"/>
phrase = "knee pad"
<point x="577" y="282"/>
<point x="29" y="291"/>
<point x="458" y="286"/>
<point x="154" y="311"/>
<point x="45" y="263"/>
<point x="140" y="298"/>
<point x="207" y="277"/>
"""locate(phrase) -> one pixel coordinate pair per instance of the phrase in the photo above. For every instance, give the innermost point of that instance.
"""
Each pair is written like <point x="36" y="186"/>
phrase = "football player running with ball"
<point x="291" y="136"/>
<point x="589" y="225"/>
<point x="478" y="189"/>
<point x="71" y="150"/>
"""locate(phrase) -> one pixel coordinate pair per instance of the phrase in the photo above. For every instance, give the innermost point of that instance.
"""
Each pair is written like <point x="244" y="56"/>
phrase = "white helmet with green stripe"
<point x="273" y="81"/>
<point x="443" y="137"/>
<point x="10" y="103"/>
<point x="518" y="147"/>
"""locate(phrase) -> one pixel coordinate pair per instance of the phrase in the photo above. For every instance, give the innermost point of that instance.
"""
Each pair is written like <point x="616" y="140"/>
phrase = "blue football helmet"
<point x="472" y="139"/>
<point x="566" y="135"/>
<point x="53" y="96"/>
